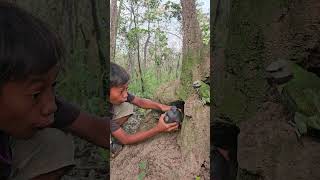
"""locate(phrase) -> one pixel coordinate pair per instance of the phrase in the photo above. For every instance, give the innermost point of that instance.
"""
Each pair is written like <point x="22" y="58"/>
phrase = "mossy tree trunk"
<point x="84" y="30"/>
<point x="247" y="37"/>
<point x="192" y="46"/>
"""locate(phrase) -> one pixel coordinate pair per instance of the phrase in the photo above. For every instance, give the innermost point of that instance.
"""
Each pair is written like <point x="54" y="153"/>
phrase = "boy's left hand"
<point x="165" y="127"/>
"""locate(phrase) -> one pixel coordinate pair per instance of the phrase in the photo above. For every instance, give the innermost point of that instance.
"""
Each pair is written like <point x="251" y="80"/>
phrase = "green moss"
<point x="190" y="62"/>
<point x="296" y="92"/>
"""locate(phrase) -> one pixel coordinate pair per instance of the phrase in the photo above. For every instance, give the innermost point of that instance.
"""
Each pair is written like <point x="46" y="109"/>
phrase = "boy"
<point x="32" y="143"/>
<point x="122" y="108"/>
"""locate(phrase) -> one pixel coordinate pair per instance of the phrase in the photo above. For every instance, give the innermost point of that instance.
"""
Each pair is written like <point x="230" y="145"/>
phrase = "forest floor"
<point x="152" y="159"/>
<point x="269" y="148"/>
<point x="90" y="163"/>
<point x="159" y="157"/>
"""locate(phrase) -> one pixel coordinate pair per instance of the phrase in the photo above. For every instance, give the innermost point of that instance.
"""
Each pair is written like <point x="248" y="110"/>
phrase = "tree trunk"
<point x="104" y="67"/>
<point x="138" y="49"/>
<point x="115" y="15"/>
<point x="247" y="38"/>
<point x="192" y="45"/>
<point x="146" y="47"/>
<point x="113" y="28"/>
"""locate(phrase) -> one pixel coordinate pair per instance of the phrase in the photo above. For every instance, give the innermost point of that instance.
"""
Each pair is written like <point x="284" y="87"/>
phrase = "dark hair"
<point x="27" y="46"/>
<point x="118" y="75"/>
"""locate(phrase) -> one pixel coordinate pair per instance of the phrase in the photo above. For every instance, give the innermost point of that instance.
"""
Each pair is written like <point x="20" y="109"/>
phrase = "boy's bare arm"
<point x="91" y="128"/>
<point x="125" y="138"/>
<point x="148" y="104"/>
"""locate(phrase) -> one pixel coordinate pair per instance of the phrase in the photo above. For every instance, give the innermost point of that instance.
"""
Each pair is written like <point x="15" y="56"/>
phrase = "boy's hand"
<point x="164" y="127"/>
<point x="165" y="108"/>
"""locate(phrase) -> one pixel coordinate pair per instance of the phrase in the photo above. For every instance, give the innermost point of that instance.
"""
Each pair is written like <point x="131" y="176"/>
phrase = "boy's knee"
<point x="49" y="150"/>
<point x="122" y="110"/>
<point x="54" y="175"/>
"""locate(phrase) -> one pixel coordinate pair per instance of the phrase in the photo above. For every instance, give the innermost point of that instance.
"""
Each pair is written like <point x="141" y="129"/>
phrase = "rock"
<point x="279" y="72"/>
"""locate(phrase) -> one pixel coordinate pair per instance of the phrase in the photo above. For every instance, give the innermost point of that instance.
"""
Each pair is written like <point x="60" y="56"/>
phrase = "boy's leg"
<point x="122" y="112"/>
<point x="48" y="153"/>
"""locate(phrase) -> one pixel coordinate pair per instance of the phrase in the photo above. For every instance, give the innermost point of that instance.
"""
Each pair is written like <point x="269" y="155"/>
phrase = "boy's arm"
<point x="148" y="104"/>
<point x="91" y="128"/>
<point x="125" y="138"/>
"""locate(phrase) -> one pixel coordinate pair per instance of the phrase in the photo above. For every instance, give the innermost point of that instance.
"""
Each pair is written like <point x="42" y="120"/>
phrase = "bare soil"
<point x="270" y="149"/>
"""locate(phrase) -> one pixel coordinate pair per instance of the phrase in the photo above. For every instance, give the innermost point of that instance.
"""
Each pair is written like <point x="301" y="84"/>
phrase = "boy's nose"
<point x="49" y="106"/>
<point x="125" y="95"/>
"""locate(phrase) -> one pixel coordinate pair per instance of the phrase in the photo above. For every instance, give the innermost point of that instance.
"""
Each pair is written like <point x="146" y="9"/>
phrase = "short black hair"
<point x="118" y="75"/>
<point x="27" y="45"/>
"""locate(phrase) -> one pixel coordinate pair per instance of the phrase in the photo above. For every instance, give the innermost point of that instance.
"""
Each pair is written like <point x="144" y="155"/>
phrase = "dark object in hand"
<point x="174" y="115"/>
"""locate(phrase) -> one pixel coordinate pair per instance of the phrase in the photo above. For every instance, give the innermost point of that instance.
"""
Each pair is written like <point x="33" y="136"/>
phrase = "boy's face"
<point x="119" y="94"/>
<point x="27" y="106"/>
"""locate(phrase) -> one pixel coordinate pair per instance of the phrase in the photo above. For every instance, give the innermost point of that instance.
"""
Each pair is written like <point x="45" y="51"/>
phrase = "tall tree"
<point x="134" y="4"/>
<point x="192" y="45"/>
<point x="114" y="20"/>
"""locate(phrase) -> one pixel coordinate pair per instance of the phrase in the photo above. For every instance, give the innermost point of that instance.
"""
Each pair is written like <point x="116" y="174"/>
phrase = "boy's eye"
<point x="35" y="95"/>
<point x="54" y="84"/>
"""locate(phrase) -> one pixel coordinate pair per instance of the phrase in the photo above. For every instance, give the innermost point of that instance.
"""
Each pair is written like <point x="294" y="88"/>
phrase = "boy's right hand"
<point x="166" y="127"/>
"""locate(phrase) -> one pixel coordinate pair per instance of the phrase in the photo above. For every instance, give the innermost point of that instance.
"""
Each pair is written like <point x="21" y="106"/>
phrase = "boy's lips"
<point x="44" y="123"/>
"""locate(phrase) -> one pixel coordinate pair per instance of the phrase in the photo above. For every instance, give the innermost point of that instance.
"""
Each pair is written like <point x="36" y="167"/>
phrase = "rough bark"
<point x="146" y="47"/>
<point x="115" y="15"/>
<point x="137" y="46"/>
<point x="113" y="28"/>
<point x="192" y="46"/>
<point x="247" y="37"/>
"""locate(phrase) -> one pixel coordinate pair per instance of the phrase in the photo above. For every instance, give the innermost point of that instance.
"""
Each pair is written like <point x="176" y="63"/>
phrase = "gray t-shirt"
<point x="113" y="124"/>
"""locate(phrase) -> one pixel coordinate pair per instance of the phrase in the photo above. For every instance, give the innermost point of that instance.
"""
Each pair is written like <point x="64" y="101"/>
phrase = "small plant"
<point x="142" y="169"/>
<point x="104" y="153"/>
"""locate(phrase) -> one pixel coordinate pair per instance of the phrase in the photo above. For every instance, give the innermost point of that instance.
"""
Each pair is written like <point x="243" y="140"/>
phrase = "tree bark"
<point x="113" y="28"/>
<point x="115" y="15"/>
<point x="138" y="49"/>
<point x="192" y="45"/>
<point x="102" y="57"/>
<point x="146" y="46"/>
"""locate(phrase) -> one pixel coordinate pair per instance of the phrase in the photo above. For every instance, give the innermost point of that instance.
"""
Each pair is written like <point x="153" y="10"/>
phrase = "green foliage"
<point x="151" y="82"/>
<point x="104" y="153"/>
<point x="301" y="92"/>
<point x="132" y="36"/>
<point x="204" y="92"/>
<point x="141" y="175"/>
<point x="142" y="165"/>
<point x="174" y="10"/>
<point x="143" y="170"/>
<point x="301" y="122"/>
<point x="204" y="23"/>
<point x="302" y="96"/>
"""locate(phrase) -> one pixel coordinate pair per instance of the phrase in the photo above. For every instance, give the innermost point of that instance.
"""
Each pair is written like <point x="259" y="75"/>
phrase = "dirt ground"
<point x="160" y="157"/>
<point x="90" y="165"/>
<point x="269" y="148"/>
